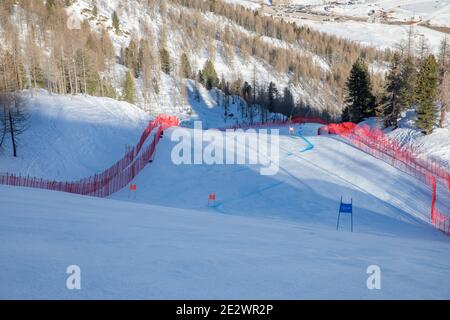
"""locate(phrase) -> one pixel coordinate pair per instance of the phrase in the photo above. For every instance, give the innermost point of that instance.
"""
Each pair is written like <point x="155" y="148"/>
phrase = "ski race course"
<point x="265" y="237"/>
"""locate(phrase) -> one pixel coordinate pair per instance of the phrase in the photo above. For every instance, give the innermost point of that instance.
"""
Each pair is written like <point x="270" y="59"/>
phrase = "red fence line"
<point x="296" y="120"/>
<point x="375" y="138"/>
<point x="112" y="179"/>
<point x="374" y="142"/>
<point x="440" y="221"/>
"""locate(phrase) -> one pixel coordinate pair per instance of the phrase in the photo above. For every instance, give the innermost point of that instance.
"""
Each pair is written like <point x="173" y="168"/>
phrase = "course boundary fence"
<point x="375" y="142"/>
<point x="112" y="179"/>
<point x="256" y="125"/>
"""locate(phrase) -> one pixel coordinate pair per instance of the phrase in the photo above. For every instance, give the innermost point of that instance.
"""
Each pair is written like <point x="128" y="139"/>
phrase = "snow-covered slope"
<point x="72" y="137"/>
<point x="138" y="251"/>
<point x="267" y="236"/>
<point x="435" y="145"/>
<point x="307" y="187"/>
<point x="379" y="23"/>
<point x="379" y="35"/>
<point x="435" y="12"/>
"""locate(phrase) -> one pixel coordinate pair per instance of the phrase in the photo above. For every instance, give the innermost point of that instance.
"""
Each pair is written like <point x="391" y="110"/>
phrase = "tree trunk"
<point x="4" y="127"/>
<point x="444" y="109"/>
<point x="84" y="73"/>
<point x="11" y="128"/>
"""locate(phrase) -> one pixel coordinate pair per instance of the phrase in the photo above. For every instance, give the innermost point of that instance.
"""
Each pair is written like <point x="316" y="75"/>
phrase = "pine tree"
<point x="426" y="95"/>
<point x="90" y="79"/>
<point x="50" y="4"/>
<point x="360" y="100"/>
<point x="13" y="118"/>
<point x="95" y="11"/>
<point x="226" y="105"/>
<point x="272" y="96"/>
<point x="390" y="109"/>
<point x="131" y="57"/>
<point x="209" y="75"/>
<point x="186" y="71"/>
<point x="165" y="60"/>
<point x="408" y="76"/>
<point x="129" y="90"/>
<point x="116" y="22"/>
<point x="288" y="102"/>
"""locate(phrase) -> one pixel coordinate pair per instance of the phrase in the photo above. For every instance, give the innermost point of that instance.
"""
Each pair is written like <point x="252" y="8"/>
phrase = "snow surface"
<point x="437" y="12"/>
<point x="251" y="4"/>
<point x="72" y="137"/>
<point x="379" y="35"/>
<point x="333" y="169"/>
<point x="435" y="145"/>
<point x="268" y="238"/>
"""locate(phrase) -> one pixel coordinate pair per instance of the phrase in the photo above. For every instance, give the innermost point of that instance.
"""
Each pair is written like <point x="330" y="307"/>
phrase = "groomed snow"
<point x="137" y="251"/>
<point x="268" y="237"/>
<point x="307" y="187"/>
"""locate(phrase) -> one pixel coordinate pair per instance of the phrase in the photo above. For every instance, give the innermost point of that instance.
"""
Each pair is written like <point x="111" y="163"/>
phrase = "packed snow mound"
<point x="72" y="137"/>
<point x="138" y="251"/>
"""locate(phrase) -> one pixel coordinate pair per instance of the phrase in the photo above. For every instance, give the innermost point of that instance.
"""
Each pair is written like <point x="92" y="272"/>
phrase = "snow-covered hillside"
<point x="137" y="19"/>
<point x="376" y="34"/>
<point x="306" y="188"/>
<point x="72" y="137"/>
<point x="434" y="12"/>
<point x="268" y="237"/>
<point x="435" y="145"/>
<point x="265" y="236"/>
<point x="379" y="23"/>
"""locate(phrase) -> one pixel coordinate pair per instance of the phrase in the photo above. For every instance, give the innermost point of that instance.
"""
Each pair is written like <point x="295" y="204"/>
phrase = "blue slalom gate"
<point x="345" y="208"/>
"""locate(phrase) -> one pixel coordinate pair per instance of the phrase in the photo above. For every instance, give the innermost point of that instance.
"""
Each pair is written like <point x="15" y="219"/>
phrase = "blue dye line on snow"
<point x="309" y="146"/>
<point x="219" y="204"/>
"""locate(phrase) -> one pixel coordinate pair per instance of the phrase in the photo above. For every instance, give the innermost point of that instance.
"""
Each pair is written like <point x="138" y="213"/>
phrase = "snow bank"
<point x="435" y="145"/>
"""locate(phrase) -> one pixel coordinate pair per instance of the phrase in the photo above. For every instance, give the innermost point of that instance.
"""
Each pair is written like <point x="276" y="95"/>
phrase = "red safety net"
<point x="271" y="123"/>
<point x="375" y="142"/>
<point x="112" y="179"/>
<point x="440" y="221"/>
